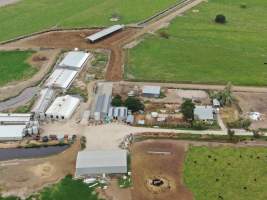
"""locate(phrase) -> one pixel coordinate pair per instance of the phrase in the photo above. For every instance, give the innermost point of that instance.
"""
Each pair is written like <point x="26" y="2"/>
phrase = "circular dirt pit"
<point x="158" y="185"/>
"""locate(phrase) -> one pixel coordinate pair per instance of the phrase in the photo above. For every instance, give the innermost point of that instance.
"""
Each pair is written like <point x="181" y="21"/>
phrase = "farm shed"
<point x="104" y="33"/>
<point x="62" y="108"/>
<point x="102" y="101"/>
<point x="15" y="119"/>
<point x="205" y="113"/>
<point x="119" y="113"/>
<point x="75" y="60"/>
<point x="44" y="100"/>
<point x="12" y="132"/>
<point x="61" y="78"/>
<point x="93" y="163"/>
<point x="151" y="91"/>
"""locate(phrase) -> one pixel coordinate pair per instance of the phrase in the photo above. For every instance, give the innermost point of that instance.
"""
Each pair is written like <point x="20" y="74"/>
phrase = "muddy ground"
<point x="23" y="177"/>
<point x="170" y="167"/>
<point x="76" y="39"/>
<point x="253" y="102"/>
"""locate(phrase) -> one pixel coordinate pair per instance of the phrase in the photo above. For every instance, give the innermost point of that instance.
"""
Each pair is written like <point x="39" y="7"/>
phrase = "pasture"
<point x="14" y="66"/>
<point x="195" y="49"/>
<point x="29" y="16"/>
<point x="226" y="173"/>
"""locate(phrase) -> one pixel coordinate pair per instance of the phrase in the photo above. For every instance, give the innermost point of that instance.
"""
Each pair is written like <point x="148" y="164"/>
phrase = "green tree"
<point x="231" y="134"/>
<point x="134" y="104"/>
<point x="225" y="96"/>
<point x="117" y="101"/>
<point x="187" y="108"/>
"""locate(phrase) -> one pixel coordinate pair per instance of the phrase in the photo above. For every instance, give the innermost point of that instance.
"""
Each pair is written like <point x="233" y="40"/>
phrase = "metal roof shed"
<point x="63" y="107"/>
<point x="11" y="132"/>
<point x="74" y="60"/>
<point x="105" y="32"/>
<point x="151" y="91"/>
<point x="92" y="163"/>
<point x="14" y="118"/>
<point x="61" y="78"/>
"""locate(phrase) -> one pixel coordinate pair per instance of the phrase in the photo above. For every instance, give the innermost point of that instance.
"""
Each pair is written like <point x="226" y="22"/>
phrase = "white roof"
<point x="15" y="117"/>
<point x="61" y="78"/>
<point x="204" y="112"/>
<point x="151" y="90"/>
<point x="9" y="132"/>
<point x="109" y="158"/>
<point x="118" y="112"/>
<point x="63" y="106"/>
<point x="74" y="59"/>
<point x="104" y="32"/>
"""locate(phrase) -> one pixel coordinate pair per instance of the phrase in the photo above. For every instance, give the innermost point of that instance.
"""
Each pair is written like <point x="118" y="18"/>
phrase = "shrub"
<point x="187" y="108"/>
<point x="220" y="19"/>
<point x="164" y="34"/>
<point x="117" y="101"/>
<point x="243" y="5"/>
<point x="240" y="123"/>
<point x="134" y="104"/>
<point x="200" y="125"/>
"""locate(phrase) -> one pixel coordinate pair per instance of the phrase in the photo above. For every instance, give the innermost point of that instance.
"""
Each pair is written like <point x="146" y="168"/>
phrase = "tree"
<point x="117" y="101"/>
<point x="134" y="104"/>
<point x="231" y="134"/>
<point x="221" y="19"/>
<point x="187" y="108"/>
<point x="225" y="96"/>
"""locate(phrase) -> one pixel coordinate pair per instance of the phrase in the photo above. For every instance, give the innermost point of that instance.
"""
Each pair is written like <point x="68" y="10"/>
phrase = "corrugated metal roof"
<point x="104" y="32"/>
<point x="63" y="106"/>
<point x="45" y="98"/>
<point x="74" y="59"/>
<point x="61" y="78"/>
<point x="110" y="158"/>
<point x="118" y="112"/>
<point x="151" y="90"/>
<point x="11" y="132"/>
<point x="14" y="117"/>
<point x="204" y="112"/>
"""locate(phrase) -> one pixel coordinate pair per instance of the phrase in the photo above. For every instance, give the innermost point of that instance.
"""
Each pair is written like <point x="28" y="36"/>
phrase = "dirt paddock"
<point x="154" y="159"/>
<point x="70" y="39"/>
<point x="253" y="102"/>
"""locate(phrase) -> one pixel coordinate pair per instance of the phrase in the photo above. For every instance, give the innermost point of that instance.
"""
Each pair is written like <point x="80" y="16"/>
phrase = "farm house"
<point x="204" y="113"/>
<point x="92" y="163"/>
<point x="62" y="108"/>
<point x="75" y="60"/>
<point x="104" y="33"/>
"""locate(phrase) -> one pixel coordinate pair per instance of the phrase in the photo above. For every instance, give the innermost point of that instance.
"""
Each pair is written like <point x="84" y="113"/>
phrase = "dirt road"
<point x="7" y="2"/>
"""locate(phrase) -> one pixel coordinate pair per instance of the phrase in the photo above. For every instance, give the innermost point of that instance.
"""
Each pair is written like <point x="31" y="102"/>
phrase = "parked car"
<point x="53" y="137"/>
<point x="45" y="139"/>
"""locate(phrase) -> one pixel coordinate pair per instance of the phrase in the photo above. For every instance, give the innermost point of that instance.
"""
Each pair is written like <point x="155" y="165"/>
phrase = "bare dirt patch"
<point x="76" y="39"/>
<point x="23" y="177"/>
<point x="155" y="160"/>
<point x="253" y="102"/>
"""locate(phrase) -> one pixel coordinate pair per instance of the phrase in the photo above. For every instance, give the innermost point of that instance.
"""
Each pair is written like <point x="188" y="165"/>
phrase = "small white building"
<point x="151" y="91"/>
<point x="62" y="108"/>
<point x="204" y="113"/>
<point x="94" y="163"/>
<point x="61" y="78"/>
<point x="75" y="60"/>
<point x="12" y="132"/>
<point x="119" y="113"/>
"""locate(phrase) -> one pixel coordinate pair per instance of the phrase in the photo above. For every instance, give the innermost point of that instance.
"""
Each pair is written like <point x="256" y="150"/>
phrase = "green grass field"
<point x="201" y="51"/>
<point x="13" y="66"/>
<point x="226" y="173"/>
<point x="30" y="16"/>
<point x="67" y="189"/>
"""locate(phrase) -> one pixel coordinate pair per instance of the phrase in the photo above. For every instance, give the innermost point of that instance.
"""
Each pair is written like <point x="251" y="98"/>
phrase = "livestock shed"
<point x="75" y="60"/>
<point x="12" y="132"/>
<point x="119" y="113"/>
<point x="102" y="101"/>
<point x="14" y="119"/>
<point x="45" y="98"/>
<point x="94" y="163"/>
<point x="204" y="113"/>
<point x="104" y="33"/>
<point x="61" y="78"/>
<point x="63" y="107"/>
<point x="151" y="91"/>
